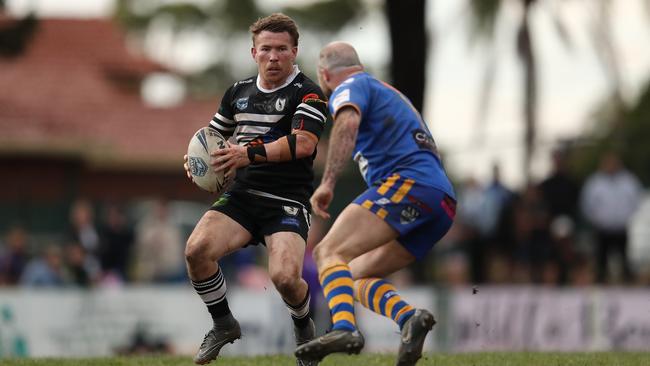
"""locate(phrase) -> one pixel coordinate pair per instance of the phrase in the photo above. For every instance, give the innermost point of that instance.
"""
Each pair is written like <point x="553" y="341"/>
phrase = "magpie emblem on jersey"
<point x="198" y="167"/>
<point x="290" y="210"/>
<point x="242" y="103"/>
<point x="280" y="103"/>
<point x="408" y="215"/>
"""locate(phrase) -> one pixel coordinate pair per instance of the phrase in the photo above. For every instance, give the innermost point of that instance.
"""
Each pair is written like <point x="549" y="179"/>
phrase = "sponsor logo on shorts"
<point x="408" y="215"/>
<point x="290" y="210"/>
<point x="198" y="167"/>
<point x="242" y="103"/>
<point x="291" y="221"/>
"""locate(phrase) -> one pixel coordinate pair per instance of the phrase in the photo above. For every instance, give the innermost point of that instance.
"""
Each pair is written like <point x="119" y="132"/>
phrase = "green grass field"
<point x="474" y="359"/>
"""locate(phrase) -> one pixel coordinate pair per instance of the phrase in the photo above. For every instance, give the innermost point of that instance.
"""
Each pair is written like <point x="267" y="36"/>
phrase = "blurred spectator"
<point x="13" y="255"/>
<point x="560" y="193"/>
<point x="487" y="215"/>
<point x="45" y="270"/>
<point x="470" y="210"/>
<point x="83" y="270"/>
<point x="559" y="190"/>
<point x="497" y="223"/>
<point x="581" y="272"/>
<point x="82" y="226"/>
<point x="534" y="250"/>
<point x="639" y="247"/>
<point x="497" y="199"/>
<point x="159" y="247"/>
<point x="116" y="241"/>
<point x="609" y="199"/>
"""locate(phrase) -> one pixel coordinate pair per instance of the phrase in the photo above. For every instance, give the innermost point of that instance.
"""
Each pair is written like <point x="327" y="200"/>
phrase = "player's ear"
<point x="326" y="75"/>
<point x="253" y="52"/>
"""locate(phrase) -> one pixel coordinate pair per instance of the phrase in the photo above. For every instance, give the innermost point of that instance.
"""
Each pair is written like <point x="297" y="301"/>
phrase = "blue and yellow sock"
<point x="338" y="288"/>
<point x="381" y="297"/>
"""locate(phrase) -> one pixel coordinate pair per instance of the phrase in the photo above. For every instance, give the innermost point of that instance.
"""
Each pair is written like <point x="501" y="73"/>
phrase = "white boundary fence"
<point x="96" y="323"/>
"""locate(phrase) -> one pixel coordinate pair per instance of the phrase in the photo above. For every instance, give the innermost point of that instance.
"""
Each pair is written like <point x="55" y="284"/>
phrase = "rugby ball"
<point x="202" y="143"/>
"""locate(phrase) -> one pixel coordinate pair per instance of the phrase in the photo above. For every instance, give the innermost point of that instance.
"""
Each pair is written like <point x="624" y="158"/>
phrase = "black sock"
<point x="213" y="292"/>
<point x="300" y="313"/>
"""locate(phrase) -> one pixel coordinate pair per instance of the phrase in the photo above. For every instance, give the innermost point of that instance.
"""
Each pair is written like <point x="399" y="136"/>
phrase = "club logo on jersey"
<point x="408" y="215"/>
<point x="280" y="103"/>
<point x="290" y="210"/>
<point x="198" y="167"/>
<point x="242" y="103"/>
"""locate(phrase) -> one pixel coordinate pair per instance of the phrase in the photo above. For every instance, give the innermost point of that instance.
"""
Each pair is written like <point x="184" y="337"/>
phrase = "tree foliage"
<point x="226" y="21"/>
<point x="624" y="130"/>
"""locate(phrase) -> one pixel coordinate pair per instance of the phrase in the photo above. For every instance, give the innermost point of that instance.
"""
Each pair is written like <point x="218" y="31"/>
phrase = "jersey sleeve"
<point x="350" y="93"/>
<point x="224" y="120"/>
<point x="311" y="112"/>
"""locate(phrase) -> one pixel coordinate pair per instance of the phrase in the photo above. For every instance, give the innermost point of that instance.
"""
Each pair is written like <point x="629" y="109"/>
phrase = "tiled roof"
<point x="75" y="90"/>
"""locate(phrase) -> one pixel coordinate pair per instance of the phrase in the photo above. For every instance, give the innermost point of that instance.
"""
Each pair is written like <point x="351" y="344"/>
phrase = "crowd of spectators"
<point x="557" y="231"/>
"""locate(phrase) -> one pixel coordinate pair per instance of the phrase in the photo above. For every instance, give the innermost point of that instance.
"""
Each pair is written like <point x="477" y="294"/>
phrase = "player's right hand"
<point x="320" y="201"/>
<point x="187" y="168"/>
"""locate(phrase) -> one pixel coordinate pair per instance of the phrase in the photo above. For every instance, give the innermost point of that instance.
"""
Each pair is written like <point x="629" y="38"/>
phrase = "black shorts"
<point x="264" y="214"/>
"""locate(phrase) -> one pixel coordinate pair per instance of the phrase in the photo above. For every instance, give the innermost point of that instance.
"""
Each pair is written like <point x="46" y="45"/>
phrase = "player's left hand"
<point x="231" y="157"/>
<point x="321" y="199"/>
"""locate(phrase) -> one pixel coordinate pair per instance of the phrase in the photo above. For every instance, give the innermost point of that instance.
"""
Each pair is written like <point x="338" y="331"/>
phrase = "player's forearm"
<point x="292" y="147"/>
<point x="344" y="136"/>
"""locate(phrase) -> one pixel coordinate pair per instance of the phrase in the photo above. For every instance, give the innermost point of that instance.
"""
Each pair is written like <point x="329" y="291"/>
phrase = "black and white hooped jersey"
<point x="254" y="115"/>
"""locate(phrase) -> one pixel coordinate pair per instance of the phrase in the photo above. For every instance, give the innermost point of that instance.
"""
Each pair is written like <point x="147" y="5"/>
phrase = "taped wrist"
<point x="292" y="145"/>
<point x="256" y="154"/>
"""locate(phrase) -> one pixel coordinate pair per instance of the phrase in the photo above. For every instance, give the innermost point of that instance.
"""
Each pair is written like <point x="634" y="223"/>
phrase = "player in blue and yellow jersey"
<point x="408" y="206"/>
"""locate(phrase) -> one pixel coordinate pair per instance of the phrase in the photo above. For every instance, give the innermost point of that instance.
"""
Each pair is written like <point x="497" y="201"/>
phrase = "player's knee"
<point x="285" y="281"/>
<point x="196" y="250"/>
<point x="323" y="252"/>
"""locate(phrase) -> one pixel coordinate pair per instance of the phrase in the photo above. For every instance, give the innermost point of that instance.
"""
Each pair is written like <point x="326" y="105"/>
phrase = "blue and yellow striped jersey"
<point x="393" y="137"/>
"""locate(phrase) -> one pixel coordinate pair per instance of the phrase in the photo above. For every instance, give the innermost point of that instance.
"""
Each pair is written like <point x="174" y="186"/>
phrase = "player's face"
<point x="275" y="55"/>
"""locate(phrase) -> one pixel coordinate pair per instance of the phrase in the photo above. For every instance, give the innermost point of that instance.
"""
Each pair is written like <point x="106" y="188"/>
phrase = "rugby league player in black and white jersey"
<point x="276" y="119"/>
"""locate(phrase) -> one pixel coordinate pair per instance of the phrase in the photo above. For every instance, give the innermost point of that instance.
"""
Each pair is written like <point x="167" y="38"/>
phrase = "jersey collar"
<point x="293" y="75"/>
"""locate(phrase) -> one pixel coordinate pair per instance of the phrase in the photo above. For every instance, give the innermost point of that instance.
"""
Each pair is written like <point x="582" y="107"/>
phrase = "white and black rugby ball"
<point x="202" y="143"/>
